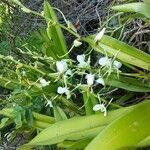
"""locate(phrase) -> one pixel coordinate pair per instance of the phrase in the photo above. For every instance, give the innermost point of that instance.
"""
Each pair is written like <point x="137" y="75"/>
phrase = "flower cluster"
<point x="63" y="69"/>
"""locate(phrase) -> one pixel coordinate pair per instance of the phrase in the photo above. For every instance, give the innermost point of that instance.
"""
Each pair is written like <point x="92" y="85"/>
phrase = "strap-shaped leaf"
<point x="128" y="83"/>
<point x="59" y="114"/>
<point x="142" y="8"/>
<point x="147" y="1"/>
<point x="89" y="102"/>
<point x="62" y="130"/>
<point x="56" y="37"/>
<point x="121" y="50"/>
<point x="74" y="145"/>
<point x="126" y="131"/>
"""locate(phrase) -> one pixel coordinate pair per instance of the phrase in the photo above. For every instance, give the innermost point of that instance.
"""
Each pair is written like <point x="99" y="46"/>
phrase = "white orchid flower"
<point x="44" y="82"/>
<point x="82" y="62"/>
<point x="100" y="81"/>
<point x="100" y="35"/>
<point x="61" y="66"/>
<point x="81" y="58"/>
<point x="76" y="43"/>
<point x="117" y="64"/>
<point x="64" y="90"/>
<point x="105" y="61"/>
<point x="90" y="79"/>
<point x="100" y="107"/>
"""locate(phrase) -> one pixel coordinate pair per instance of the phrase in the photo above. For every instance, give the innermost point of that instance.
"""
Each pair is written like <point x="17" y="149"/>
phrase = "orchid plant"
<point x="70" y="103"/>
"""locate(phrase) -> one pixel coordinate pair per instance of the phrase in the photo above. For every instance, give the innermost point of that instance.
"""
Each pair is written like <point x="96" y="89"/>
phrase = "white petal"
<point x="81" y="58"/>
<point x="77" y="43"/>
<point x="97" y="107"/>
<point x="100" y="81"/>
<point x="61" y="90"/>
<point x="100" y="35"/>
<point x="90" y="79"/>
<point x="61" y="66"/>
<point x="104" y="61"/>
<point x="117" y="64"/>
<point x="44" y="82"/>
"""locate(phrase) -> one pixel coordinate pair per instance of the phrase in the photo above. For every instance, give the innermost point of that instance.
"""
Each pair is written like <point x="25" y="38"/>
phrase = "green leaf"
<point x="29" y="117"/>
<point x="128" y="83"/>
<point x="144" y="142"/>
<point x="142" y="8"/>
<point x="56" y="37"/>
<point x="121" y="51"/>
<point x="25" y="9"/>
<point x="43" y="118"/>
<point x="62" y="130"/>
<point x="59" y="114"/>
<point x="9" y="83"/>
<point x="73" y="145"/>
<point x="86" y="134"/>
<point x="125" y="131"/>
<point x="89" y="102"/>
<point x="18" y="115"/>
<point x="147" y="1"/>
<point x="3" y="122"/>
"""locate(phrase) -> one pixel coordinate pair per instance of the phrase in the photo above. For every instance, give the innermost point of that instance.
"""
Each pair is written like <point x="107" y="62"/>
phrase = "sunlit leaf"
<point x="142" y="8"/>
<point x="62" y="130"/>
<point x="3" y="122"/>
<point x="59" y="114"/>
<point x="56" y="37"/>
<point x="120" y="50"/>
<point x="127" y="130"/>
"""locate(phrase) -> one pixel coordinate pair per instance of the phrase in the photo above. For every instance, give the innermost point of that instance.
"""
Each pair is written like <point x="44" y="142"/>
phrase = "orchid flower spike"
<point x="61" y="66"/>
<point x="90" y="79"/>
<point x="82" y="62"/>
<point x="44" y="82"/>
<point x="100" y="107"/>
<point x="64" y="90"/>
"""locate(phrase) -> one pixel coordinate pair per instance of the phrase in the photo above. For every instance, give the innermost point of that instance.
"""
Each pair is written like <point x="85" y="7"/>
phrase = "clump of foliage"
<point x="59" y="102"/>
